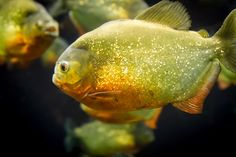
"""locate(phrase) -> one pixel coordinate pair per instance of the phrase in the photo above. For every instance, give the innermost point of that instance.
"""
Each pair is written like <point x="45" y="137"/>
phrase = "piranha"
<point x="26" y="31"/>
<point x="147" y="62"/>
<point x="149" y="116"/>
<point x="110" y="139"/>
<point x="87" y="15"/>
<point x="51" y="55"/>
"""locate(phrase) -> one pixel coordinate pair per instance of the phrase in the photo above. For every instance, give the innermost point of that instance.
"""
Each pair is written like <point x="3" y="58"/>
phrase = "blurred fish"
<point x="87" y="15"/>
<point x="148" y="62"/>
<point x="102" y="139"/>
<point x="26" y="31"/>
<point x="149" y="116"/>
<point x="50" y="57"/>
<point x="226" y="78"/>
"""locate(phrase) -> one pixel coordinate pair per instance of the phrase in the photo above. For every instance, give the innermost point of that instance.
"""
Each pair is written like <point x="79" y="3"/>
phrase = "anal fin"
<point x="194" y="105"/>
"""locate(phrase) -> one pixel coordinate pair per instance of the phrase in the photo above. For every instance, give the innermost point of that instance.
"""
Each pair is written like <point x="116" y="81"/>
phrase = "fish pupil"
<point x="64" y="67"/>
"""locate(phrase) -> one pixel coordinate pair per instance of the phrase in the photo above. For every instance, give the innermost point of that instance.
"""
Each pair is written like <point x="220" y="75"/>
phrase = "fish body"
<point x="110" y="138"/>
<point x="87" y="15"/>
<point x="26" y="31"/>
<point x="145" y="63"/>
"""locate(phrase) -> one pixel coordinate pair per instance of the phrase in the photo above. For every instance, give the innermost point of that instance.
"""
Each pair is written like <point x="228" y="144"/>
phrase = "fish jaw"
<point x="73" y="90"/>
<point x="27" y="48"/>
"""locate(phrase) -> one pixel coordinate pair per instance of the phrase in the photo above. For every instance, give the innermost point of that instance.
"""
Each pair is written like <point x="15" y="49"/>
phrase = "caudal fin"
<point x="227" y="35"/>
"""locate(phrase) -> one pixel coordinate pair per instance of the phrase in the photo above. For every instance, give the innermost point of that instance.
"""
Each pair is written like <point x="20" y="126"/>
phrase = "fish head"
<point x="38" y="22"/>
<point x="73" y="72"/>
<point x="35" y="32"/>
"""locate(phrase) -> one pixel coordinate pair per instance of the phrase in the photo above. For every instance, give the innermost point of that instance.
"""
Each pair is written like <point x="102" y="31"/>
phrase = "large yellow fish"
<point x="26" y="31"/>
<point x="147" y="62"/>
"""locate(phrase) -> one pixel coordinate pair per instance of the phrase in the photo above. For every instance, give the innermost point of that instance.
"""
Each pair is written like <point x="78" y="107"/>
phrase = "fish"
<point x="87" y="15"/>
<point x="51" y="55"/>
<point x="147" y="62"/>
<point x="149" y="117"/>
<point x="110" y="138"/>
<point x="226" y="78"/>
<point x="26" y="31"/>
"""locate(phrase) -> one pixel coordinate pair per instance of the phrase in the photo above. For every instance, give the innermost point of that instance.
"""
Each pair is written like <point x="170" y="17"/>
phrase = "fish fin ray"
<point x="194" y="105"/>
<point x="172" y="14"/>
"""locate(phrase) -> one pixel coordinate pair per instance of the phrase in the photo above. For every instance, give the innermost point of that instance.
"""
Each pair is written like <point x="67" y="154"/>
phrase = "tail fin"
<point x="227" y="35"/>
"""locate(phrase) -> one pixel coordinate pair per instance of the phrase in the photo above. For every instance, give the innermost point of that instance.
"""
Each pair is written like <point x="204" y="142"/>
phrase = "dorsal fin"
<point x="203" y="33"/>
<point x="172" y="14"/>
<point x="194" y="105"/>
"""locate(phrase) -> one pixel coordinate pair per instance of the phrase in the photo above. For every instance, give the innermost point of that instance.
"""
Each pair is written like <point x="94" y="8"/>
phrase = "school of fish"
<point x="128" y="64"/>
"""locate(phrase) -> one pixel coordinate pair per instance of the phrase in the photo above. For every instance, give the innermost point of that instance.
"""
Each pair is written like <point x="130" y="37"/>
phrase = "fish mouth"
<point x="56" y="81"/>
<point x="63" y="85"/>
<point x="51" y="29"/>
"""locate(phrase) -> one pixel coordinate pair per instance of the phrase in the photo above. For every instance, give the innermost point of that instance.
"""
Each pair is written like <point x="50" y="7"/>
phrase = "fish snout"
<point x="56" y="81"/>
<point x="52" y="29"/>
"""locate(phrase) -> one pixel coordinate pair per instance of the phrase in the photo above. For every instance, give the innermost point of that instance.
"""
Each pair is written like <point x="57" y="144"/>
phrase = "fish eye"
<point x="64" y="66"/>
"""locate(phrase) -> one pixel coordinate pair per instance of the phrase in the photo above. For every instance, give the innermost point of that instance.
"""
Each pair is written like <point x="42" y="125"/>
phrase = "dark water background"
<point x="33" y="110"/>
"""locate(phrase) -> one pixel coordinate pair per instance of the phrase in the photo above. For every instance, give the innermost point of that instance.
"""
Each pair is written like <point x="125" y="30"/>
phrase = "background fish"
<point x="51" y="55"/>
<point x="26" y="31"/>
<point x="87" y="15"/>
<point x="102" y="139"/>
<point x="146" y="63"/>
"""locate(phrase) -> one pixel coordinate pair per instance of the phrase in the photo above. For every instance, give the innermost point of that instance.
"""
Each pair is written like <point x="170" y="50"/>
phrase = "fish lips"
<point x="56" y="81"/>
<point x="51" y="29"/>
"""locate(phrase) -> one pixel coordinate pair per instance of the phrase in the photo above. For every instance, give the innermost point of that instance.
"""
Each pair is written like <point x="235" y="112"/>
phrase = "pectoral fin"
<point x="152" y="123"/>
<point x="194" y="105"/>
<point x="172" y="14"/>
